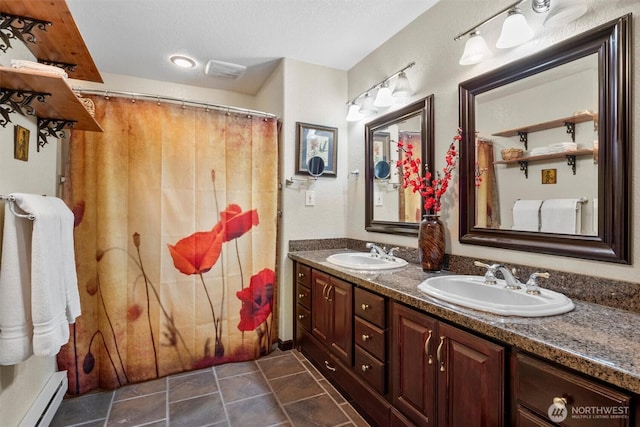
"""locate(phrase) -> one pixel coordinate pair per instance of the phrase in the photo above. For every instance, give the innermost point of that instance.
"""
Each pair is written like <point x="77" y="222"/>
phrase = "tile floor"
<point x="282" y="389"/>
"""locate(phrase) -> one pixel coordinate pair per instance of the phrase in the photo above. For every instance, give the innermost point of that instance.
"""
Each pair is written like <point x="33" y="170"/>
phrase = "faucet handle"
<point x="391" y="251"/>
<point x="489" y="276"/>
<point x="532" y="283"/>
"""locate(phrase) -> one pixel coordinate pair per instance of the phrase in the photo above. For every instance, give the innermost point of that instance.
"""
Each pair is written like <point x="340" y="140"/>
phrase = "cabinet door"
<point x="320" y="307"/>
<point x="414" y="341"/>
<point x="341" y="301"/>
<point x="470" y="380"/>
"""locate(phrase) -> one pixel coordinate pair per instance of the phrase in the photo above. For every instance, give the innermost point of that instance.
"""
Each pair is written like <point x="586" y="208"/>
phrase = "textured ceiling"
<point x="136" y="37"/>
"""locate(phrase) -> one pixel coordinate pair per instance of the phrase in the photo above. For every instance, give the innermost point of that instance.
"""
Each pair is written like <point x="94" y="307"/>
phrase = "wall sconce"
<point x="515" y="29"/>
<point x="384" y="98"/>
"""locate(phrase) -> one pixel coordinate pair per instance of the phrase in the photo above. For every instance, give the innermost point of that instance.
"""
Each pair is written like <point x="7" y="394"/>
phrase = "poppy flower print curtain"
<point x="175" y="242"/>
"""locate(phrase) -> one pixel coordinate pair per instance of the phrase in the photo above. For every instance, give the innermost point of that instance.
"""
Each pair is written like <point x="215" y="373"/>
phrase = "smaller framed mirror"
<point x="390" y="208"/>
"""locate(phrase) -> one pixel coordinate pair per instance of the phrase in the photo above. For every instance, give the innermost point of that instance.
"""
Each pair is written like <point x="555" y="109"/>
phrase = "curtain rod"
<point x="183" y="102"/>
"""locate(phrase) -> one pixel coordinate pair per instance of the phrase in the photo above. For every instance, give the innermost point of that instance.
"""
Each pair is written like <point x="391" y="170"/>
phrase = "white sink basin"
<point x="365" y="261"/>
<point x="470" y="291"/>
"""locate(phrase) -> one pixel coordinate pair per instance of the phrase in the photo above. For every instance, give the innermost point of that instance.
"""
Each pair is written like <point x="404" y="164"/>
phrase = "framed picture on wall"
<point x="313" y="142"/>
<point x="21" y="143"/>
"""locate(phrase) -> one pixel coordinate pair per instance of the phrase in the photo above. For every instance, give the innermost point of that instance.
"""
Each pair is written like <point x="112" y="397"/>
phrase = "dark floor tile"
<point x="243" y="386"/>
<point x="354" y="415"/>
<point x="198" y="411"/>
<point x="332" y="391"/>
<point x="256" y="411"/>
<point x="295" y="387"/>
<point x="82" y="409"/>
<point x="139" y="410"/>
<point x="316" y="374"/>
<point x="276" y="367"/>
<point x="316" y="411"/>
<point x="192" y="385"/>
<point x="161" y="423"/>
<point x="140" y="389"/>
<point x="238" y="368"/>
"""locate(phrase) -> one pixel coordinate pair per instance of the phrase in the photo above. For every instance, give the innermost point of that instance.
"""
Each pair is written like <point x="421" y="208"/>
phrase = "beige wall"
<point x="429" y="41"/>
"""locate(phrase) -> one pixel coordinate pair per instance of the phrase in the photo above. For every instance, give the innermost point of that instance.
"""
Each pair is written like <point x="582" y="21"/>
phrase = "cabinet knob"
<point x="366" y="337"/>
<point x="300" y="274"/>
<point x="365" y="368"/>
<point x="365" y="307"/>
<point x="560" y="402"/>
<point x="301" y="316"/>
<point x="301" y="296"/>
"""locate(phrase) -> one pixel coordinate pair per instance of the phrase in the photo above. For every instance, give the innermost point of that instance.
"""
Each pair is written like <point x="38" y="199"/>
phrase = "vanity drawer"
<point x="304" y="317"/>
<point x="537" y="383"/>
<point x="369" y="337"/>
<point x="370" y="369"/>
<point x="303" y="296"/>
<point x="303" y="274"/>
<point x="369" y="306"/>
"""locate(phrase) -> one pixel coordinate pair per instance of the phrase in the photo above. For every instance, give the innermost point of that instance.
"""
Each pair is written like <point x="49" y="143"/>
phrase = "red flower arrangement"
<point x="431" y="189"/>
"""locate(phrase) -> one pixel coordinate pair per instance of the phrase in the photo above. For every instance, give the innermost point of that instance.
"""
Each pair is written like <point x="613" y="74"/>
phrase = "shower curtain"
<point x="175" y="240"/>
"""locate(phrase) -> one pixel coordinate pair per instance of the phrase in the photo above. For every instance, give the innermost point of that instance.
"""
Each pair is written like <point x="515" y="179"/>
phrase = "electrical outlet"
<point x="310" y="198"/>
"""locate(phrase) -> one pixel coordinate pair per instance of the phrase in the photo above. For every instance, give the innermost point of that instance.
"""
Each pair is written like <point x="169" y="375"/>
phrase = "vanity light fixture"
<point x="515" y="30"/>
<point x="384" y="97"/>
<point x="183" y="61"/>
<point x="564" y="11"/>
<point x="475" y="50"/>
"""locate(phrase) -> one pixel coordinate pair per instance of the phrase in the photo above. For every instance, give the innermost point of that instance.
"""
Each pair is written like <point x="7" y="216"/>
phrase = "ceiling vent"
<point x="224" y="70"/>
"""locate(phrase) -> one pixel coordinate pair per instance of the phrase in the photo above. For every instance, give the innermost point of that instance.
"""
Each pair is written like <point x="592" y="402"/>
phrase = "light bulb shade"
<point x="402" y="89"/>
<point x="353" y="115"/>
<point x="367" y="108"/>
<point x="475" y="50"/>
<point x="515" y="31"/>
<point x="384" y="99"/>
<point x="564" y="11"/>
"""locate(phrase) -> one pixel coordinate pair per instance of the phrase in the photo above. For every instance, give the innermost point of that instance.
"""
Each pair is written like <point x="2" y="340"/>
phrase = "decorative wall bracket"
<point x="524" y="167"/>
<point x="571" y="130"/>
<point x="571" y="161"/>
<point x="18" y="101"/>
<point x="67" y="67"/>
<point x="524" y="139"/>
<point x="52" y="127"/>
<point x="19" y="27"/>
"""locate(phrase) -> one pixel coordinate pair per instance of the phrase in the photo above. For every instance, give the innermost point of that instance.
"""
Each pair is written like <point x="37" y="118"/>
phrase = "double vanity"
<point x="407" y="349"/>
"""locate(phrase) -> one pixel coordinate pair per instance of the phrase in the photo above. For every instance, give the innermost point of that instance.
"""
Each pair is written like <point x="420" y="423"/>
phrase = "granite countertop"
<point x="597" y="340"/>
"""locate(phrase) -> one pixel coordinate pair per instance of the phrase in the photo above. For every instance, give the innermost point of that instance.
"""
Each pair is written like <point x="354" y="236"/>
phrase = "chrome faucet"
<point x="376" y="250"/>
<point x="510" y="279"/>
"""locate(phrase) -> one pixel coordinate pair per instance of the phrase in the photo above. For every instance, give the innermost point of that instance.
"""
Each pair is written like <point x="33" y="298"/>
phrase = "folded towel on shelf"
<point x="526" y="215"/>
<point x="562" y="216"/>
<point x="37" y="279"/>
<point x="32" y="65"/>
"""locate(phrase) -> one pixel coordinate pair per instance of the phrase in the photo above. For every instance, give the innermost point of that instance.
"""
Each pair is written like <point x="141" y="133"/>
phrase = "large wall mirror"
<point x="389" y="207"/>
<point x="548" y="138"/>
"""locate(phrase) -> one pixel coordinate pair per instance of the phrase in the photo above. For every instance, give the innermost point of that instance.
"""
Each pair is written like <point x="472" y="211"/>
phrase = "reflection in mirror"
<point x="539" y="164"/>
<point x="315" y="166"/>
<point x="389" y="207"/>
<point x="544" y="161"/>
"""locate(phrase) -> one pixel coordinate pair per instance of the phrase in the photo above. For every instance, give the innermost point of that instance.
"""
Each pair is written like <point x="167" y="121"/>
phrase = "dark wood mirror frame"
<point x="424" y="107"/>
<point x="612" y="43"/>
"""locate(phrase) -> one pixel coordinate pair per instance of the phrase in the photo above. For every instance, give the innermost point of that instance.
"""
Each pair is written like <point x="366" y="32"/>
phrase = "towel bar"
<point x="11" y="200"/>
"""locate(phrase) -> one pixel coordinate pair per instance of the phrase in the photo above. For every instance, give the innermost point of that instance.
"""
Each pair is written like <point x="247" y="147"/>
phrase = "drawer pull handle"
<point x="439" y="354"/>
<point x="301" y="316"/>
<point x="426" y="348"/>
<point x="329" y="367"/>
<point x="366" y="337"/>
<point x="365" y="307"/>
<point x="560" y="402"/>
<point x="365" y="368"/>
<point x="324" y="292"/>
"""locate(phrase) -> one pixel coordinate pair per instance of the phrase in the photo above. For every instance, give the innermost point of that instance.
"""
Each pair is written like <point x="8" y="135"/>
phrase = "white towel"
<point x="560" y="216"/>
<point x="38" y="272"/>
<point x="526" y="215"/>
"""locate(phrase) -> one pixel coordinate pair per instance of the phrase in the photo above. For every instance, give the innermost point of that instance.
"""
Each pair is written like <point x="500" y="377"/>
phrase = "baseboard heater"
<point x="48" y="401"/>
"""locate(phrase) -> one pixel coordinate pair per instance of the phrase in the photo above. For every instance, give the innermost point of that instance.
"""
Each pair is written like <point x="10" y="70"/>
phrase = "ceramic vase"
<point x="431" y="243"/>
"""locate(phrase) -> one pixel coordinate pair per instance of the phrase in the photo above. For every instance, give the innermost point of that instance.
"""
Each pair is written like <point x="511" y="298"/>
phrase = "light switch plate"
<point x="310" y="198"/>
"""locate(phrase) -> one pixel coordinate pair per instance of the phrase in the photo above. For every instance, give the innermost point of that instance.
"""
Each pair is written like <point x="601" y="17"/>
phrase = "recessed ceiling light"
<point x="183" y="61"/>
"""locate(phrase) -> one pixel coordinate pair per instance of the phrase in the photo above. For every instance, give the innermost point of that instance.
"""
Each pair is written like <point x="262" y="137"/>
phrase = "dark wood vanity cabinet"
<point x="443" y="376"/>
